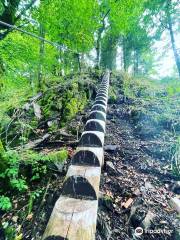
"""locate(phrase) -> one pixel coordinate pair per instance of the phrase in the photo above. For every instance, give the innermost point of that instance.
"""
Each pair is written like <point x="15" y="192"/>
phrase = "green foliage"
<point x="5" y="203"/>
<point x="59" y="156"/>
<point x="17" y="178"/>
<point x="128" y="10"/>
<point x="39" y="162"/>
<point x="113" y="94"/>
<point x="139" y="87"/>
<point x="19" y="184"/>
<point x="10" y="231"/>
<point x="73" y="23"/>
<point x="155" y="111"/>
<point x="73" y="102"/>
<point x="12" y="171"/>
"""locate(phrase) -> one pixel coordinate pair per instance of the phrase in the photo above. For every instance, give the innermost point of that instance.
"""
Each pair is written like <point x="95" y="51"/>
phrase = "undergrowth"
<point x="22" y="170"/>
<point x="154" y="106"/>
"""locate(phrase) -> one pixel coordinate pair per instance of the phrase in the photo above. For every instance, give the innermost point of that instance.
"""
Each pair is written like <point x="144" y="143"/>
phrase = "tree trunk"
<point x="125" y="64"/>
<point x="109" y="52"/>
<point x="41" y="55"/>
<point x="136" y="62"/>
<point x="98" y="49"/>
<point x="79" y="62"/>
<point x="98" y="44"/>
<point x="170" y="28"/>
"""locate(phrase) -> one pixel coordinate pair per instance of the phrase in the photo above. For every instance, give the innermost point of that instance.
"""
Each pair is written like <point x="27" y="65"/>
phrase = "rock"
<point x="110" y="147"/>
<point x="137" y="215"/>
<point x="146" y="223"/>
<point x="175" y="203"/>
<point x="110" y="168"/>
<point x="27" y="106"/>
<point x="101" y="195"/>
<point x="137" y="192"/>
<point x="59" y="166"/>
<point x="37" y="110"/>
<point x="149" y="186"/>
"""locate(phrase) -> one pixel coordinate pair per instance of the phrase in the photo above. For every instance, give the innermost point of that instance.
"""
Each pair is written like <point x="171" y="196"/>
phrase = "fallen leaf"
<point x="128" y="203"/>
<point x="29" y="216"/>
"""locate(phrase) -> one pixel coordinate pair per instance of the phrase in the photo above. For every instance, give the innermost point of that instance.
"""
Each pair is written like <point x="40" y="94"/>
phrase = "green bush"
<point x="11" y="174"/>
<point x="5" y="203"/>
<point x="59" y="156"/>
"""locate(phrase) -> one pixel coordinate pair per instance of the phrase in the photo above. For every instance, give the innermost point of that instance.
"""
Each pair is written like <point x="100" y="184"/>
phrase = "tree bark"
<point x="170" y="28"/>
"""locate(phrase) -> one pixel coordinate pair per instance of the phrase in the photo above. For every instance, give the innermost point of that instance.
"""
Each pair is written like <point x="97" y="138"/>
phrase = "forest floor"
<point x="136" y="184"/>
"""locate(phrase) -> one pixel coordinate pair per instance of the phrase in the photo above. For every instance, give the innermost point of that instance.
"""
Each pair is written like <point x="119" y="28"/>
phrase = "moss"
<point x="59" y="156"/>
<point x="1" y="148"/>
<point x="112" y="95"/>
<point x="53" y="127"/>
<point x="74" y="103"/>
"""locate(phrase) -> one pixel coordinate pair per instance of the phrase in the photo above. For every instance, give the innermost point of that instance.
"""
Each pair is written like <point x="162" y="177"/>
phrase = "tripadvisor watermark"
<point x="139" y="231"/>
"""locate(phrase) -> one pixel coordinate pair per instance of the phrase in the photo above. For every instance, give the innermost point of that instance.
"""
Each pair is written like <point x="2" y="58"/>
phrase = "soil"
<point x="134" y="176"/>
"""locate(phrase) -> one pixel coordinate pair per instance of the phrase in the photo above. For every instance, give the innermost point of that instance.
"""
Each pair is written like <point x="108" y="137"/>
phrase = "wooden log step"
<point x="99" y="107"/>
<point x="92" y="139"/>
<point x="72" y="219"/>
<point x="82" y="182"/>
<point x="101" y="98"/>
<point x="102" y="91"/>
<point x="95" y="125"/>
<point x="85" y="158"/>
<point x="102" y="94"/>
<point x="99" y="152"/>
<point x="102" y="102"/>
<point x="97" y="115"/>
<point x="104" y="86"/>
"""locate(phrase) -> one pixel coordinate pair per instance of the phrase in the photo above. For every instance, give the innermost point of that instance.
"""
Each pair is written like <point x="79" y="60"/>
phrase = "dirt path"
<point x="135" y="189"/>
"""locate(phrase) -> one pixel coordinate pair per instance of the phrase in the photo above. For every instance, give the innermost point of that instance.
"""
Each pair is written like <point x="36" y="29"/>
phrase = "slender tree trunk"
<point x="41" y="55"/>
<point x="125" y="55"/>
<point x="98" y="49"/>
<point x="98" y="44"/>
<point x="136" y="62"/>
<point x="109" y="52"/>
<point x="170" y="28"/>
<point x="83" y="62"/>
<point x="78" y="57"/>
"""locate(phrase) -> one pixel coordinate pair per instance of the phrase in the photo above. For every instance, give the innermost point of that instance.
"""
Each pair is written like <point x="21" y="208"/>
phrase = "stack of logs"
<point x="75" y="212"/>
